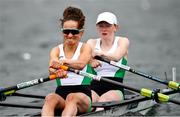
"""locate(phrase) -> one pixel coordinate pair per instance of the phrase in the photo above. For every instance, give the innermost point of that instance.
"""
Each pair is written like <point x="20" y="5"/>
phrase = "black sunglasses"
<point x="73" y="31"/>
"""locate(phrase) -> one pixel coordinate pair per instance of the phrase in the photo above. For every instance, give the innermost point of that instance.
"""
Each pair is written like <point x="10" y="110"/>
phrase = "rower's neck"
<point x="106" y="44"/>
<point x="69" y="51"/>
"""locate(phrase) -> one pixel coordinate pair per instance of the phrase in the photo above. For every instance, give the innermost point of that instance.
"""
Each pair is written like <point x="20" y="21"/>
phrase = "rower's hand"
<point x="95" y="63"/>
<point x="54" y="68"/>
<point x="58" y="72"/>
<point x="97" y="53"/>
<point x="61" y="73"/>
<point x="56" y="64"/>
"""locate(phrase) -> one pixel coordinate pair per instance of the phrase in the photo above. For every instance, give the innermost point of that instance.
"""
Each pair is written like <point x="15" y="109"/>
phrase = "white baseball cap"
<point x="107" y="17"/>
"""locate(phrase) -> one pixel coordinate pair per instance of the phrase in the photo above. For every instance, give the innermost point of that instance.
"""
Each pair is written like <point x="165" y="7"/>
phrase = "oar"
<point x="28" y="95"/>
<point x="170" y="84"/>
<point x="144" y="92"/>
<point x="12" y="89"/>
<point x="21" y="105"/>
<point x="125" y="102"/>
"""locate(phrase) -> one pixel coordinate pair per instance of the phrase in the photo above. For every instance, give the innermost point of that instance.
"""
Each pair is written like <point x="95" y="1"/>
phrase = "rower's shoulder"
<point x="86" y="46"/>
<point x="56" y="48"/>
<point x="91" y="42"/>
<point x="123" y="39"/>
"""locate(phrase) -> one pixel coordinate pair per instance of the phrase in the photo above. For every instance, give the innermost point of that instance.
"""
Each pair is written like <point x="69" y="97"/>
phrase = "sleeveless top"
<point x="72" y="78"/>
<point x="107" y="70"/>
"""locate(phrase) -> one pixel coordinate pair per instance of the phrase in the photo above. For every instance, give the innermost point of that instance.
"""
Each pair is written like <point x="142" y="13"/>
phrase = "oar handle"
<point x="66" y="68"/>
<point x="102" y="59"/>
<point x="52" y="77"/>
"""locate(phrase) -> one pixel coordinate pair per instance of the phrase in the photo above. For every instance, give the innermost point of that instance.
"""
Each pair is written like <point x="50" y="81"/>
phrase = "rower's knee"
<point x="50" y="103"/>
<point x="95" y="96"/>
<point x="112" y="95"/>
<point x="75" y="98"/>
<point x="51" y="99"/>
<point x="71" y="97"/>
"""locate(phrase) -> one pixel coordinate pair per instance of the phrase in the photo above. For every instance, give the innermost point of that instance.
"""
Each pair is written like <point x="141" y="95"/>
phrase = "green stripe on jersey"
<point x="121" y="72"/>
<point x="87" y="80"/>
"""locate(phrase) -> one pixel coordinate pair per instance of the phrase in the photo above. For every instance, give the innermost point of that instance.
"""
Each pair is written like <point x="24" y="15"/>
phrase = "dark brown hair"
<point x="73" y="13"/>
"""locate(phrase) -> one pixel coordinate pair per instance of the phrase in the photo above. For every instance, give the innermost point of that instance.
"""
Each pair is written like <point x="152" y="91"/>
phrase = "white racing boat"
<point x="136" y="100"/>
<point x="134" y="103"/>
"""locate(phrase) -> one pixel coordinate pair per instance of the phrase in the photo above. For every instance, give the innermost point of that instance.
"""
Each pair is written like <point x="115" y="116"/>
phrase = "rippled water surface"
<point x="29" y="29"/>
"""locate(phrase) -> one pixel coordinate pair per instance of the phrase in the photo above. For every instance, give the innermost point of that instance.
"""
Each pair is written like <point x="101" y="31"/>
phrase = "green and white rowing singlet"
<point x="73" y="79"/>
<point x="106" y="69"/>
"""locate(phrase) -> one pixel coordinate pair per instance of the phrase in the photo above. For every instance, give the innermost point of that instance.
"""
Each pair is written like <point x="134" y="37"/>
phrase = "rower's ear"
<point x="116" y="27"/>
<point x="81" y="34"/>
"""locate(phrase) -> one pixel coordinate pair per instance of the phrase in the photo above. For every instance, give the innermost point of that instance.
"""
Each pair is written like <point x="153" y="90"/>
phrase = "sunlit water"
<point x="29" y="29"/>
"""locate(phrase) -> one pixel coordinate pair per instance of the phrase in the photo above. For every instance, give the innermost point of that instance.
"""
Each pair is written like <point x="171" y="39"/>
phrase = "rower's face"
<point x="105" y="29"/>
<point x="71" y="38"/>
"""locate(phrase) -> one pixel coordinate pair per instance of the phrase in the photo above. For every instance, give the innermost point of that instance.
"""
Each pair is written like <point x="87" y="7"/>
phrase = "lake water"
<point x="29" y="29"/>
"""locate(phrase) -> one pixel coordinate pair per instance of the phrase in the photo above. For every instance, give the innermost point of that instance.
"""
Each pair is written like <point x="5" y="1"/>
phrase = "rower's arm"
<point x="83" y="60"/>
<point x="121" y="51"/>
<point x="54" y="57"/>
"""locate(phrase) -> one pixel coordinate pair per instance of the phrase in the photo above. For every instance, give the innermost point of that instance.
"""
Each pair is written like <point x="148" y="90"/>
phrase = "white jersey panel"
<point x="106" y="69"/>
<point x="72" y="79"/>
